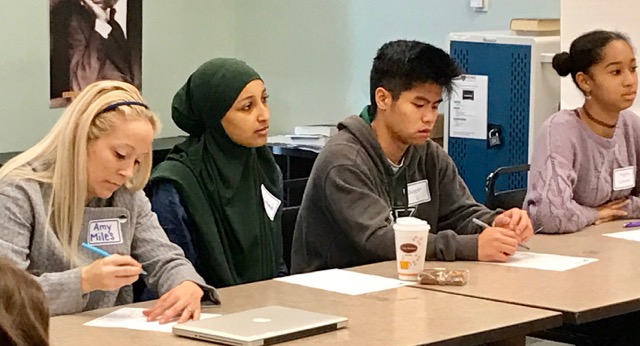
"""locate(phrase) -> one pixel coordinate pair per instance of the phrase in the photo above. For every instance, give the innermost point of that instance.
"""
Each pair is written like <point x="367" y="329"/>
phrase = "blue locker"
<point x="508" y="67"/>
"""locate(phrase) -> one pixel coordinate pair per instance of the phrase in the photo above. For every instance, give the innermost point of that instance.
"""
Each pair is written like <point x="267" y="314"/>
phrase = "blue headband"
<point x="111" y="107"/>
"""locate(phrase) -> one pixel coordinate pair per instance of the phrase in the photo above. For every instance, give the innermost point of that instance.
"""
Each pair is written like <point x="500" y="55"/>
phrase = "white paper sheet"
<point x="627" y="235"/>
<point x="344" y="281"/>
<point x="468" y="107"/>
<point x="544" y="261"/>
<point x="132" y="318"/>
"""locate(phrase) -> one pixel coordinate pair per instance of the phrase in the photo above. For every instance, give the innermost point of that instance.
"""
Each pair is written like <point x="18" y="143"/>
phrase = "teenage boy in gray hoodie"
<point x="381" y="166"/>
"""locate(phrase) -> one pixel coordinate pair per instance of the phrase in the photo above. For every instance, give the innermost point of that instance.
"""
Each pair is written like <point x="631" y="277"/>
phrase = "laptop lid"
<point x="261" y="326"/>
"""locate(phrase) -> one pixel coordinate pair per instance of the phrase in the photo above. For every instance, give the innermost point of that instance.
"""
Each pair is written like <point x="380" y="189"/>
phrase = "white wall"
<point x="580" y="16"/>
<point x="315" y="55"/>
<point x="178" y="35"/>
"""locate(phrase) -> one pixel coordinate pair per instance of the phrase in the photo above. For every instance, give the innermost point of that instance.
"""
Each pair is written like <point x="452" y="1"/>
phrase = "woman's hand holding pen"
<point x="110" y="273"/>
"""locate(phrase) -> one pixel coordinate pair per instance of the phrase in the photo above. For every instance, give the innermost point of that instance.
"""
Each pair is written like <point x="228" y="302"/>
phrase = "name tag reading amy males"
<point x="418" y="192"/>
<point x="624" y="178"/>
<point x="104" y="232"/>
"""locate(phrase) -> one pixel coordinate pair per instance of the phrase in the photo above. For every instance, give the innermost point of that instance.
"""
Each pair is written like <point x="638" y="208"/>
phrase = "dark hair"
<point x="585" y="51"/>
<point x="24" y="311"/>
<point x="401" y="65"/>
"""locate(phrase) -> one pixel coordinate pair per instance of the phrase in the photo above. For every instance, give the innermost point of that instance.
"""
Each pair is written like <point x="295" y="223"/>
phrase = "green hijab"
<point x="220" y="181"/>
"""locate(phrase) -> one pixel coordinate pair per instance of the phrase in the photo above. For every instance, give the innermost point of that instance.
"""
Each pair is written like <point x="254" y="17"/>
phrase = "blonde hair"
<point x="60" y="158"/>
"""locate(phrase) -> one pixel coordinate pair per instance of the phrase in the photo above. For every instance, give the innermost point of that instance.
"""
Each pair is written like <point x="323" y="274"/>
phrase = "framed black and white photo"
<point x="93" y="40"/>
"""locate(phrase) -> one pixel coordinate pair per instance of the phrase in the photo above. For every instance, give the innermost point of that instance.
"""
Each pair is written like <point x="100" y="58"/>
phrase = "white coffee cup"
<point x="411" y="236"/>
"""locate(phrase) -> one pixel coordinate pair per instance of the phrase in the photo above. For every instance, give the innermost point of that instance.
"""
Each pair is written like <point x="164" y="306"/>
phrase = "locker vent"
<point x="519" y="109"/>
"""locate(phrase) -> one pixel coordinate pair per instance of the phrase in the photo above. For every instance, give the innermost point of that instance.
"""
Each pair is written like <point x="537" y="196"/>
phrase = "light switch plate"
<point x="480" y="5"/>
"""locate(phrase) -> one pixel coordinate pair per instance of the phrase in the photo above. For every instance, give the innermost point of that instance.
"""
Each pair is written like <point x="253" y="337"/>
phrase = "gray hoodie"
<point x="346" y="217"/>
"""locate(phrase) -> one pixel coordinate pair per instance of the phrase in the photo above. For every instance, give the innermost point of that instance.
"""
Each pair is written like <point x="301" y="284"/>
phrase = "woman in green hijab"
<point x="218" y="194"/>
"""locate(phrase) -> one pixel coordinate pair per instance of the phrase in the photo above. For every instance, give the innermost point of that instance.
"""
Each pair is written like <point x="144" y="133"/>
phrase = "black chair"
<point x="293" y="191"/>
<point x="289" y="216"/>
<point x="509" y="198"/>
<point x="291" y="207"/>
<point x="514" y="198"/>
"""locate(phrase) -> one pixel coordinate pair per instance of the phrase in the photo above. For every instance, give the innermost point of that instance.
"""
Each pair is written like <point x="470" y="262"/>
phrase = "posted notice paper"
<point x="468" y="107"/>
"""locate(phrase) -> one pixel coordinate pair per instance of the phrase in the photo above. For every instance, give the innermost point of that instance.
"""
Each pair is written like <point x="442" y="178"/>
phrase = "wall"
<point x="580" y="16"/>
<point x="177" y="37"/>
<point x="315" y="56"/>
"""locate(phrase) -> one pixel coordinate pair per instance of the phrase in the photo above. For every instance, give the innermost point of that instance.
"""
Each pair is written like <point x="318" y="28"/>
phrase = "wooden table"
<point x="606" y="288"/>
<point x="404" y="316"/>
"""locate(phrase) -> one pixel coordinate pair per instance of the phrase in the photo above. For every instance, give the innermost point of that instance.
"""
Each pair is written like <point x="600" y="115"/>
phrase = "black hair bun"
<point x="562" y="63"/>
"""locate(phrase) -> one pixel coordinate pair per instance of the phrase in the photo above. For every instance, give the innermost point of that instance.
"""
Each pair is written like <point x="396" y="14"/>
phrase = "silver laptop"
<point x="261" y="326"/>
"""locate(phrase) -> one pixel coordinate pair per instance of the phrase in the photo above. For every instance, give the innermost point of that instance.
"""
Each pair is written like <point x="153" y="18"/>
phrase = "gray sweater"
<point x="345" y="216"/>
<point x="572" y="171"/>
<point x="27" y="239"/>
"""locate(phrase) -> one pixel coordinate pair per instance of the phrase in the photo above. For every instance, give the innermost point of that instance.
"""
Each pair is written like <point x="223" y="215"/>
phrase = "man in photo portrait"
<point x="93" y="40"/>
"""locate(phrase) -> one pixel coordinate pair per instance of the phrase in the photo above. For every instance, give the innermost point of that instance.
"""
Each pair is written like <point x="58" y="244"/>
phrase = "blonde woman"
<point x="82" y="183"/>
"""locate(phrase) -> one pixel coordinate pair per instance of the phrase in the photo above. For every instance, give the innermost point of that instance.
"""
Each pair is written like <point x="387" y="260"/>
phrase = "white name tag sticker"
<point x="104" y="232"/>
<point x="418" y="192"/>
<point x="624" y="178"/>
<point x="271" y="203"/>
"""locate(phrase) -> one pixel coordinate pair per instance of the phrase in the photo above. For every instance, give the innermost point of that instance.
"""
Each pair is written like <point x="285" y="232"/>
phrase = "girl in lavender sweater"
<point x="585" y="160"/>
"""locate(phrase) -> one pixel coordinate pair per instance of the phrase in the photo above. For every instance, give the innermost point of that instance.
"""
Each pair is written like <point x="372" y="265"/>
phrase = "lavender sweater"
<point x="572" y="171"/>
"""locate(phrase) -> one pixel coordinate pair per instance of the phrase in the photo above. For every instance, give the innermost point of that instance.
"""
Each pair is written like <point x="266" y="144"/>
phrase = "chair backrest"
<point x="289" y="216"/>
<point x="505" y="199"/>
<point x="293" y="191"/>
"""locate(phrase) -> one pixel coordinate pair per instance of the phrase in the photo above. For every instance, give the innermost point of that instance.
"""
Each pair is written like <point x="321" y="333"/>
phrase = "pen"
<point x="632" y="224"/>
<point x="101" y="252"/>
<point x="484" y="225"/>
